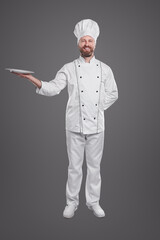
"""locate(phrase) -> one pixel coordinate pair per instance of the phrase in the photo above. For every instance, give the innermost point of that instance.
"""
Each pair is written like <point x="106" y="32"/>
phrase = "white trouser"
<point x="92" y="145"/>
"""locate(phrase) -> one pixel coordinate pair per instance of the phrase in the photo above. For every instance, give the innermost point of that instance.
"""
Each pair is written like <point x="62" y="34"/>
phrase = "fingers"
<point x="22" y="75"/>
<point x="19" y="74"/>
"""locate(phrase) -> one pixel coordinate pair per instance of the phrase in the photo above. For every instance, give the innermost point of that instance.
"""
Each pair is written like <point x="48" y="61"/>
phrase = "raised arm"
<point x="52" y="87"/>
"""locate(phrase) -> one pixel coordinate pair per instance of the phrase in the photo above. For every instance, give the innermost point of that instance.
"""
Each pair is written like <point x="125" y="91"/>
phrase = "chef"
<point x="91" y="89"/>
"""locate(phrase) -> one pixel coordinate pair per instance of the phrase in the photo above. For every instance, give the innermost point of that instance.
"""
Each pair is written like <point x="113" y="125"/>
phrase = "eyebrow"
<point x="90" y="39"/>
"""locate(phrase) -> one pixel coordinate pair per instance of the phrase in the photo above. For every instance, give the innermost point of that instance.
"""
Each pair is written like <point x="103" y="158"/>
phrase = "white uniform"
<point x="91" y="89"/>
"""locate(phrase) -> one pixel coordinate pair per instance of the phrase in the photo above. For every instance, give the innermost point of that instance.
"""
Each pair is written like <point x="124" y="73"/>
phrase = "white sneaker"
<point x="97" y="210"/>
<point x="69" y="211"/>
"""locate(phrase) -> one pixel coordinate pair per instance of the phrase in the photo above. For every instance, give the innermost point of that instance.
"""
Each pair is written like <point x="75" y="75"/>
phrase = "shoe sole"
<point x="98" y="215"/>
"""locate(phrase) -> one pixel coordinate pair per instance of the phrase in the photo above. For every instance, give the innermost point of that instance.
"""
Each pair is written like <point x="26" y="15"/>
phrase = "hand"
<point x="34" y="80"/>
<point x="28" y="76"/>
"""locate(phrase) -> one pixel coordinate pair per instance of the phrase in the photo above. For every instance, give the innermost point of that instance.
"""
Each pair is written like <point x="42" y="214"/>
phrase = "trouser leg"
<point x="75" y="148"/>
<point x="94" y="151"/>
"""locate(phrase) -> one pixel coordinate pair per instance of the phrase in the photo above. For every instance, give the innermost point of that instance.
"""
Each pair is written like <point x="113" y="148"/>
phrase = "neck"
<point x="87" y="59"/>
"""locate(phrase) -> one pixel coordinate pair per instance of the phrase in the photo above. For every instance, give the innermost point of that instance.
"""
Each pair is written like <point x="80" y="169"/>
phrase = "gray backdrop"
<point x="38" y="36"/>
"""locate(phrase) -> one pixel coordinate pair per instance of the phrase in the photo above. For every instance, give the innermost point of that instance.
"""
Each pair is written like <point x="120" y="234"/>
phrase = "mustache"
<point x="87" y="47"/>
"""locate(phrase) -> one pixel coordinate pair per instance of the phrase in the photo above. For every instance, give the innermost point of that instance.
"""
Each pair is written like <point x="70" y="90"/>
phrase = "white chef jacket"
<point x="91" y="89"/>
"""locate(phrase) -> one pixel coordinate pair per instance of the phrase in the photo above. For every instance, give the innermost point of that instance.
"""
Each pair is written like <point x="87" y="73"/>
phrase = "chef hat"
<point x="86" y="27"/>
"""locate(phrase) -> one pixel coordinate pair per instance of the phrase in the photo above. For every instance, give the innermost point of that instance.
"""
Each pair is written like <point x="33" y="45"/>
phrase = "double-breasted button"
<point x="81" y="90"/>
<point x="82" y="105"/>
<point x="80" y="76"/>
<point x="94" y="118"/>
<point x="78" y="65"/>
<point x="84" y="119"/>
<point x="96" y="104"/>
<point x="97" y="65"/>
<point x="97" y="76"/>
<point x="97" y="91"/>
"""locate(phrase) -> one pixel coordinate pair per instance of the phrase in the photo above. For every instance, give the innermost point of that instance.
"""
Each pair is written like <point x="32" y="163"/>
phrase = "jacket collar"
<point x="82" y="60"/>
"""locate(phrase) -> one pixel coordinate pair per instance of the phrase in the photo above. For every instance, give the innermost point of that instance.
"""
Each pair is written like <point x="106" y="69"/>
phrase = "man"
<point x="92" y="89"/>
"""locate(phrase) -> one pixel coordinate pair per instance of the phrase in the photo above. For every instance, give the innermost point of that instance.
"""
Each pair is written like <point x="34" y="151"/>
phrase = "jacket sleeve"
<point x="111" y="90"/>
<point x="54" y="86"/>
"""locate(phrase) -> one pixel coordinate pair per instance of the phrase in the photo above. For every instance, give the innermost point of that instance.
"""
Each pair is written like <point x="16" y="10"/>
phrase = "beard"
<point x="86" y="51"/>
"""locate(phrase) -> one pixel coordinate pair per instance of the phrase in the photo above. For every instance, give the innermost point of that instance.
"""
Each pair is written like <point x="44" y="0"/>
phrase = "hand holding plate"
<point x="26" y="75"/>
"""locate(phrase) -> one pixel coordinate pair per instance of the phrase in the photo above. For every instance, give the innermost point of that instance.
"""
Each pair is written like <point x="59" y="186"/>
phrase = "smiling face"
<point x="86" y="46"/>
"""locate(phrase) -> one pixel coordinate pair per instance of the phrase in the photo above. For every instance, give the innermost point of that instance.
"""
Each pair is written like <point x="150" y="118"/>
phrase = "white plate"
<point x="18" y="70"/>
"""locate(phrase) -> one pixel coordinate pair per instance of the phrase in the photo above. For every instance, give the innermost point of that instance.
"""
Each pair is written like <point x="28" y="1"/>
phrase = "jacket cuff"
<point x="39" y="90"/>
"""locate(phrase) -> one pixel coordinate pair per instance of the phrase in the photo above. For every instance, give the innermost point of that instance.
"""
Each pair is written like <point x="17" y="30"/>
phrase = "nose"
<point x="86" y="43"/>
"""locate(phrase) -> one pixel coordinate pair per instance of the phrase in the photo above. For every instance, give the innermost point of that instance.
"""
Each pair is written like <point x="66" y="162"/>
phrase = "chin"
<point x="84" y="54"/>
